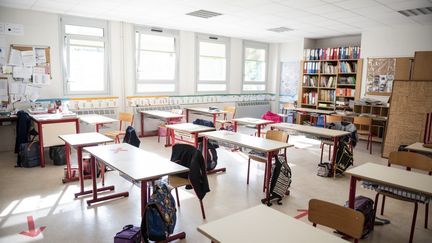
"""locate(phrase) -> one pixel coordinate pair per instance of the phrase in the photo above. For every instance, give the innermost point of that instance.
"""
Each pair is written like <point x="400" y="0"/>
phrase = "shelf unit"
<point x="330" y="84"/>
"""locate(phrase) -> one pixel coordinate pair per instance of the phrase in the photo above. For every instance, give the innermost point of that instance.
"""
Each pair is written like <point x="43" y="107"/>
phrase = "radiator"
<point x="254" y="109"/>
<point x="108" y="112"/>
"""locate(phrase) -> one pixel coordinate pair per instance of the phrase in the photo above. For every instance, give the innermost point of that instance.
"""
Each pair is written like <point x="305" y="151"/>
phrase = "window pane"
<point x="157" y="43"/>
<point x="156" y="66"/>
<point x="211" y="87"/>
<point x="255" y="54"/>
<point x="81" y="30"/>
<point x="142" y="88"/>
<point x="212" y="49"/>
<point x="212" y="69"/>
<point x="254" y="71"/>
<point x="86" y="68"/>
<point x="76" y="42"/>
<point x="253" y="87"/>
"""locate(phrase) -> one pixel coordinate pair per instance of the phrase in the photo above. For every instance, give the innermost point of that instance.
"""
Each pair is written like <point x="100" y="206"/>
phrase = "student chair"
<point x="361" y="121"/>
<point x="346" y="220"/>
<point x="409" y="160"/>
<point x="280" y="136"/>
<point x="162" y="130"/>
<point x="230" y="110"/>
<point x="124" y="118"/>
<point x="329" y="143"/>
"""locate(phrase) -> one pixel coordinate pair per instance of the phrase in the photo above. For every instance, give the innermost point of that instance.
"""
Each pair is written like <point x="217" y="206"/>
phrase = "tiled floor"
<point x="38" y="192"/>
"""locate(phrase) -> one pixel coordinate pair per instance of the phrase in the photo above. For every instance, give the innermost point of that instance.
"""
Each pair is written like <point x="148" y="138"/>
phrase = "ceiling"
<point x="246" y="19"/>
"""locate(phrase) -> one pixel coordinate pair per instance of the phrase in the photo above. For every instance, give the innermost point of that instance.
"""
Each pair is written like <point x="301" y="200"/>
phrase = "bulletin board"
<point x="30" y="64"/>
<point x="380" y="76"/>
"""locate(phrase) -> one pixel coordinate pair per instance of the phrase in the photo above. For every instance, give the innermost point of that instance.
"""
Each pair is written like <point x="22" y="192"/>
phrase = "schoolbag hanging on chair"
<point x="280" y="180"/>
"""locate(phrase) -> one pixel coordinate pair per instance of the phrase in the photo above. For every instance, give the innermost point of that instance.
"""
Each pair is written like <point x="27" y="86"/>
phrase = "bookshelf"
<point x="331" y="78"/>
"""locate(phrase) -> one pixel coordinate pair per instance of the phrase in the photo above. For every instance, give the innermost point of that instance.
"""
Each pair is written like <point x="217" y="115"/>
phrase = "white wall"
<point x="43" y="29"/>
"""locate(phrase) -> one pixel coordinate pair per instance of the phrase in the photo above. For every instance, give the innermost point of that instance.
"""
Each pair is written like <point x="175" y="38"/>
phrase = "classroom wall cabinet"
<point x="379" y="114"/>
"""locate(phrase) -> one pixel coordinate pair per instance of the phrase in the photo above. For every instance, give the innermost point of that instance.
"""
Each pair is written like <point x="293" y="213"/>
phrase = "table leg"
<point x="196" y="140"/>
<point x="167" y="137"/>
<point x="235" y="126"/>
<point x="41" y="147"/>
<point x="97" y="127"/>
<point x="68" y="165"/>
<point x="187" y="115"/>
<point x="144" y="198"/>
<point x="352" y="192"/>
<point x="95" y="190"/>
<point x="259" y="130"/>
<point x="335" y="148"/>
<point x="214" y="119"/>
<point x="267" y="176"/>
<point x="142" y="124"/>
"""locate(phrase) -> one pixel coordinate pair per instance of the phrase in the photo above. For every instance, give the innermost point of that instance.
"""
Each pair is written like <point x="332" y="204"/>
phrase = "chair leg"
<point x="426" y="215"/>
<point x="314" y="225"/>
<point x="103" y="174"/>
<point x="247" y="178"/>
<point x="371" y="144"/>
<point x="265" y="177"/>
<point x="382" y="205"/>
<point x="329" y="151"/>
<point x="177" y="197"/>
<point x="375" y="207"/>
<point x="322" y="150"/>
<point x="413" y="222"/>
<point x="202" y="209"/>
<point x="158" y="135"/>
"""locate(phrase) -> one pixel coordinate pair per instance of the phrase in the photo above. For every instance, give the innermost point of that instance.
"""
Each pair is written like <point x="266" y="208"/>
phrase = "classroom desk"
<point x="137" y="164"/>
<point x="316" y="131"/>
<point x="389" y="176"/>
<point x="97" y="120"/>
<point x="50" y="126"/>
<point x="258" y="123"/>
<point x="205" y="112"/>
<point x="162" y="115"/>
<point x="187" y="132"/>
<point x="418" y="147"/>
<point x="79" y="141"/>
<point x="264" y="224"/>
<point x="268" y="146"/>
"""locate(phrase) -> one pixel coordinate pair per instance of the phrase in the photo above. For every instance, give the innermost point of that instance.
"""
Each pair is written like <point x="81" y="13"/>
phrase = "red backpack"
<point x="270" y="116"/>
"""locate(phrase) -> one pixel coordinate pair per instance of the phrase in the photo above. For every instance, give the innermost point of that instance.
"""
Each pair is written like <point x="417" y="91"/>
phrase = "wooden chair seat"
<point x="327" y="142"/>
<point x="363" y="132"/>
<point x="114" y="133"/>
<point x="223" y="121"/>
<point x="177" y="181"/>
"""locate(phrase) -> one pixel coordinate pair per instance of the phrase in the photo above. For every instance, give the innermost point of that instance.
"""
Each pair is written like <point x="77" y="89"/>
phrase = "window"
<point x="85" y="55"/>
<point x="212" y="63"/>
<point x="156" y="60"/>
<point x="255" y="66"/>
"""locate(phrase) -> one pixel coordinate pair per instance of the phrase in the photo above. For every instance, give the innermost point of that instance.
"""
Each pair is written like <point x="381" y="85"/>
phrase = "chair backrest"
<point x="230" y="109"/>
<point x="280" y="136"/>
<point x="343" y="219"/>
<point x="330" y="119"/>
<point x="361" y="120"/>
<point x="410" y="160"/>
<point x="125" y="117"/>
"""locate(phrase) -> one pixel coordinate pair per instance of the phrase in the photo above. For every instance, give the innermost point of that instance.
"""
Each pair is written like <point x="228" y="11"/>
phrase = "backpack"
<point x="365" y="205"/>
<point x="325" y="170"/>
<point x="280" y="180"/>
<point x="29" y="154"/>
<point x="58" y="155"/>
<point x="203" y="123"/>
<point x="131" y="137"/>
<point x="344" y="157"/>
<point x="270" y="116"/>
<point x="211" y="155"/>
<point x="159" y="218"/>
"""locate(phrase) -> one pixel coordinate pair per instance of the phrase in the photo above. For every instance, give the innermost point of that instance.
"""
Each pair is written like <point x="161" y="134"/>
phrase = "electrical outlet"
<point x="14" y="29"/>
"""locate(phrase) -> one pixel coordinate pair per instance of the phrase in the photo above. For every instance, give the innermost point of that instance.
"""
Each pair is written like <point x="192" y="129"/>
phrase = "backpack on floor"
<point x="212" y="157"/>
<point x="159" y="218"/>
<point x="58" y="154"/>
<point x="365" y="205"/>
<point x="280" y="179"/>
<point x="325" y="170"/>
<point x="344" y="157"/>
<point x="29" y="154"/>
<point x="129" y="234"/>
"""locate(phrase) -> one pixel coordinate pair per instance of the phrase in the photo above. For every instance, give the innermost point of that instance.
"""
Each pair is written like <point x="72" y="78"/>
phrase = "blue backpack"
<point x="159" y="217"/>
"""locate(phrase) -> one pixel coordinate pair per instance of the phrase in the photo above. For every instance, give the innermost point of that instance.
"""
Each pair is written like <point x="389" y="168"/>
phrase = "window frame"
<point x="256" y="45"/>
<point x="212" y="39"/>
<point x="160" y="32"/>
<point x="64" y="47"/>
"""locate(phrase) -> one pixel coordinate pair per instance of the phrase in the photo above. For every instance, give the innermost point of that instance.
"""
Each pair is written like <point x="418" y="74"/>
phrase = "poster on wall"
<point x="289" y="78"/>
<point x="380" y="75"/>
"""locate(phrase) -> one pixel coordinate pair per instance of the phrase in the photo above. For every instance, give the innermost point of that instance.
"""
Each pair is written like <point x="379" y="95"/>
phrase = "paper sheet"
<point x="15" y="58"/>
<point x="2" y="56"/>
<point x="22" y="72"/>
<point x="7" y="69"/>
<point x="40" y="56"/>
<point x="28" y="58"/>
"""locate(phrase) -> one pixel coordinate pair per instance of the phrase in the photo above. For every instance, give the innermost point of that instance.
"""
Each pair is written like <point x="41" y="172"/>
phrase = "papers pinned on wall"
<point x="28" y="58"/>
<point x="40" y="56"/>
<point x="40" y="76"/>
<point x="22" y="72"/>
<point x="15" y="57"/>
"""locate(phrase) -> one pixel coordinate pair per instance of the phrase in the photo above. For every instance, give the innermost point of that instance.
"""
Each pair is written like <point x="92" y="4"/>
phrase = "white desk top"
<point x="264" y="224"/>
<point x="419" y="148"/>
<point x="135" y="163"/>
<point x="162" y="114"/>
<point x="55" y="116"/>
<point x="243" y="140"/>
<point x="317" y="131"/>
<point x="190" y="128"/>
<point x="206" y="110"/>
<point x="85" y="139"/>
<point x="326" y="112"/>
<point x="392" y="176"/>
<point x="96" y="119"/>
<point x="252" y="121"/>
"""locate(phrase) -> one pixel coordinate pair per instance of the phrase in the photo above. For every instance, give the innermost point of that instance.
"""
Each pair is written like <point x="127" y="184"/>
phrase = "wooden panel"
<point x="422" y="66"/>
<point x="358" y="79"/>
<point x="410" y="102"/>
<point x="51" y="131"/>
<point x="403" y="68"/>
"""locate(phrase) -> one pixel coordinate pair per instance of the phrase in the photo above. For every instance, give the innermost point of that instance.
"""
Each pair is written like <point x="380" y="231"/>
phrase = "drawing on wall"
<point x="290" y="75"/>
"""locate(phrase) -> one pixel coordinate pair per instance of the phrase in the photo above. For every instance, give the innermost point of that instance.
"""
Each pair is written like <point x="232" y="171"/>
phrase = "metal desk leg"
<point x="144" y="198"/>
<point x="187" y="115"/>
<point x="214" y="119"/>
<point x="142" y="124"/>
<point x="267" y="175"/>
<point x="259" y="130"/>
<point x="335" y="148"/>
<point x="95" y="190"/>
<point x="235" y="126"/>
<point x="41" y="143"/>
<point x="352" y="192"/>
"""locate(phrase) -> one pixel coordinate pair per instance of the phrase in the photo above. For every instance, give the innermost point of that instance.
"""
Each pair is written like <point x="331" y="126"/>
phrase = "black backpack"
<point x="212" y="157"/>
<point x="58" y="154"/>
<point x="131" y="137"/>
<point x="29" y="154"/>
<point x="344" y="157"/>
<point x="280" y="180"/>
